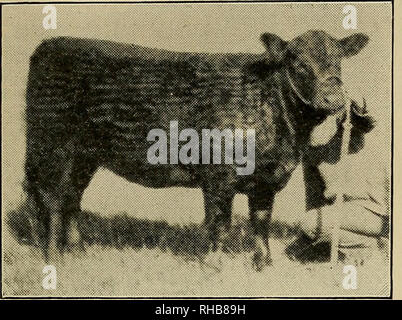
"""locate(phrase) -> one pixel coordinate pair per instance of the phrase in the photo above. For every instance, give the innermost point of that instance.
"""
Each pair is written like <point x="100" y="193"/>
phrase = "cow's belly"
<point x="125" y="154"/>
<point x="153" y="176"/>
<point x="274" y="176"/>
<point x="136" y="170"/>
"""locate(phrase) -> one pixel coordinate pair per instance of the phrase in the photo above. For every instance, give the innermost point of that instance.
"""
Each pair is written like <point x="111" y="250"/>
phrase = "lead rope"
<point x="339" y="194"/>
<point x="294" y="88"/>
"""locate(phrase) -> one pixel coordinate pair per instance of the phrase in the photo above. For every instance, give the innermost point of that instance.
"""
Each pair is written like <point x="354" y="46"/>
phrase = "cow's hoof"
<point x="35" y="239"/>
<point x="260" y="261"/>
<point x="53" y="256"/>
<point x="73" y="235"/>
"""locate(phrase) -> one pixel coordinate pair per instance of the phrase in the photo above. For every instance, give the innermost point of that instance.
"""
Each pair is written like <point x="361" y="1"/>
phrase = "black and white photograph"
<point x="209" y="150"/>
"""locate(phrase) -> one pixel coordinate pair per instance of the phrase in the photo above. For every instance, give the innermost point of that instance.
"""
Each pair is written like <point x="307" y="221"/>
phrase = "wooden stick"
<point x="339" y="197"/>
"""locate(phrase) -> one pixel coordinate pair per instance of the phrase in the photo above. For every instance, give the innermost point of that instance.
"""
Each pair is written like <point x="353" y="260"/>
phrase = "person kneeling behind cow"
<point x="362" y="181"/>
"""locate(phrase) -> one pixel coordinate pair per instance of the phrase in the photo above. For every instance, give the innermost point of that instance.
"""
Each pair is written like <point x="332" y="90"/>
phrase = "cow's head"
<point x="313" y="65"/>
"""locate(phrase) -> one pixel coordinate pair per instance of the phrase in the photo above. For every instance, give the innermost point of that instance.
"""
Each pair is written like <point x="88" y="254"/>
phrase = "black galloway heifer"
<point x="91" y="103"/>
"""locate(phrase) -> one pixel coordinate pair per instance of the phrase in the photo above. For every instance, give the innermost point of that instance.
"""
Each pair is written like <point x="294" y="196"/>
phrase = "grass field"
<point x="127" y="256"/>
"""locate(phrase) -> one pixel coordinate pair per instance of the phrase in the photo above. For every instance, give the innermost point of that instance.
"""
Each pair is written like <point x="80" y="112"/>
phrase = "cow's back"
<point x="107" y="96"/>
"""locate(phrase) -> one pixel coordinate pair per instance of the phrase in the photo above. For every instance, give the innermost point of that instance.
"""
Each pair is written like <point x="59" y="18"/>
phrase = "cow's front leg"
<point x="218" y="212"/>
<point x="260" y="206"/>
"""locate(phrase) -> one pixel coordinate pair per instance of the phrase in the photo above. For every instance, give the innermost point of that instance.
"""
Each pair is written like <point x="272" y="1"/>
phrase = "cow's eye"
<point x="300" y="67"/>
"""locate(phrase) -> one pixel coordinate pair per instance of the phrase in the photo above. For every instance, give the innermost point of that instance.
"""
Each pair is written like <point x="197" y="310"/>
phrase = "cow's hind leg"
<point x="64" y="203"/>
<point x="37" y="219"/>
<point x="47" y="178"/>
<point x="53" y="198"/>
<point x="55" y="181"/>
<point x="81" y="172"/>
<point x="43" y="170"/>
<point x="260" y="206"/>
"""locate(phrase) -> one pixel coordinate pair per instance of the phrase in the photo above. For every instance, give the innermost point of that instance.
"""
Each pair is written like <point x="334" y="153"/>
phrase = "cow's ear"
<point x="276" y="47"/>
<point x="353" y="44"/>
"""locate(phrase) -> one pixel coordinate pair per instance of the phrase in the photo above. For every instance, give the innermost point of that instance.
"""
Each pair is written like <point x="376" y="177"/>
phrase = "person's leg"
<point x="360" y="229"/>
<point x="353" y="218"/>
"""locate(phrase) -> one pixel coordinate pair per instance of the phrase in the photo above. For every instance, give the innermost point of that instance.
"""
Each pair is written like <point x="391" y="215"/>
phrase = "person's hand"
<point x="324" y="132"/>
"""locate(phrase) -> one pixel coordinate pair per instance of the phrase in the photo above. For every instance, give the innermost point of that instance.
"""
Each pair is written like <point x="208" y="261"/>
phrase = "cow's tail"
<point x="52" y="120"/>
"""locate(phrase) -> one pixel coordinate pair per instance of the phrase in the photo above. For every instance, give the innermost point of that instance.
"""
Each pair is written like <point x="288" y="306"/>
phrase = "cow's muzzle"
<point x="330" y="96"/>
<point x="333" y="102"/>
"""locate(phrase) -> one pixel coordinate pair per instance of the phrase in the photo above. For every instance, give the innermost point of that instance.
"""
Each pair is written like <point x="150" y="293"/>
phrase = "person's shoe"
<point x="307" y="250"/>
